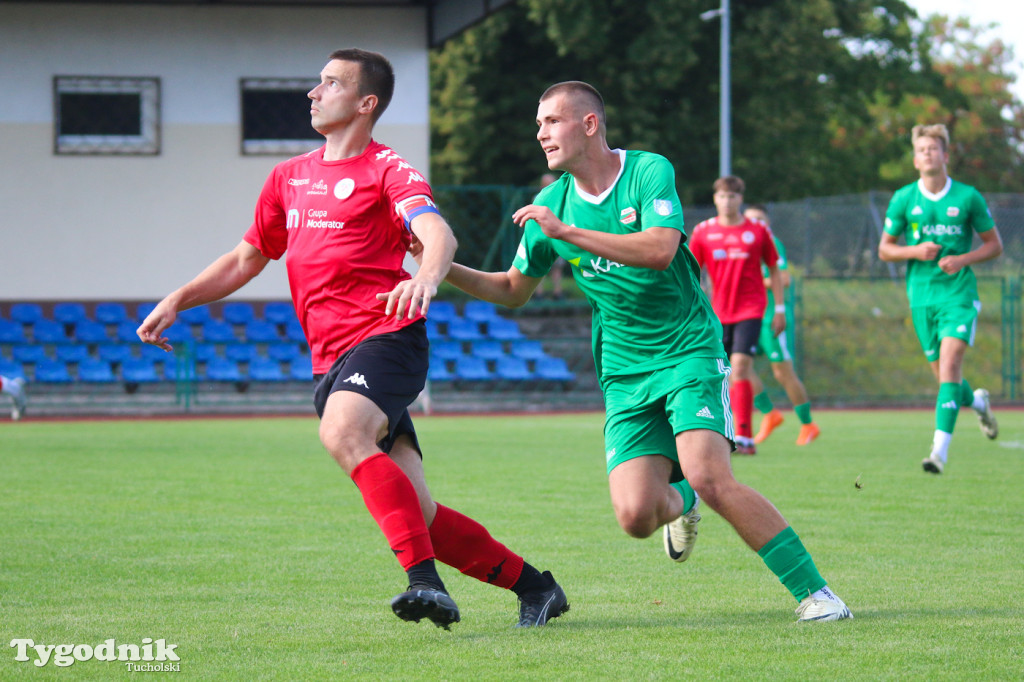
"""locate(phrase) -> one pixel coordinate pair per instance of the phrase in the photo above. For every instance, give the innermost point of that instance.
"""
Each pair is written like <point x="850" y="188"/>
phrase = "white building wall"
<point x="134" y="228"/>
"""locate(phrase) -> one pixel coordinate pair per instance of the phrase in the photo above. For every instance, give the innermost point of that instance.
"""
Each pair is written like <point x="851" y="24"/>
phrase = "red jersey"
<point x="344" y="226"/>
<point x="732" y="257"/>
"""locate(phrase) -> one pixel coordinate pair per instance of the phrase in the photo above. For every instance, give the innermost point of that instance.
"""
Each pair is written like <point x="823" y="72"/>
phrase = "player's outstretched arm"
<point x="991" y="247"/>
<point x="891" y="251"/>
<point x="511" y="289"/>
<point x="224" y="276"/>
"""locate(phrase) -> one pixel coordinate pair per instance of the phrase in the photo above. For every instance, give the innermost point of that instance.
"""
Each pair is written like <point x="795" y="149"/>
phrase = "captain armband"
<point x="414" y="206"/>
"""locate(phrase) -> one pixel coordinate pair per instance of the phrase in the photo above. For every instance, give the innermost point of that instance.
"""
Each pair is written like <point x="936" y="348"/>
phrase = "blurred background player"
<point x="732" y="248"/>
<point x="615" y="217"/>
<point x="16" y="389"/>
<point x="938" y="218"/>
<point x="779" y="351"/>
<point x="363" y="316"/>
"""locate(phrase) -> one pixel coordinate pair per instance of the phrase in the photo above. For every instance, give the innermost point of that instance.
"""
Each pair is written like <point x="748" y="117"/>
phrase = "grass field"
<point x="243" y="544"/>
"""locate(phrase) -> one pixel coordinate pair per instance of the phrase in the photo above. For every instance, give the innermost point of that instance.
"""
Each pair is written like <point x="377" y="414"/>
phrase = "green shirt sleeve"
<point x="896" y="214"/>
<point x="980" y="218"/>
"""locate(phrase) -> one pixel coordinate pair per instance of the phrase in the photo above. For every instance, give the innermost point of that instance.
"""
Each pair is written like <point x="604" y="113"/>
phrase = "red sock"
<point x="462" y="543"/>
<point x="393" y="504"/>
<point x="742" y="398"/>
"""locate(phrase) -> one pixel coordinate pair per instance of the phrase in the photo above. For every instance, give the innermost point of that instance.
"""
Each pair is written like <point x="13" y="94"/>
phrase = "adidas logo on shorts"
<point x="705" y="412"/>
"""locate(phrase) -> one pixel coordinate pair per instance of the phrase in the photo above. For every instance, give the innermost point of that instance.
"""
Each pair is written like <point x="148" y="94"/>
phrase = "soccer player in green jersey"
<point x="938" y="218"/>
<point x="779" y="351"/>
<point x="615" y="217"/>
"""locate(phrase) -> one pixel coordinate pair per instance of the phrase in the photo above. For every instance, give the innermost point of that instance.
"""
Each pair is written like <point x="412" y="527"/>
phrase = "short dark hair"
<point x="583" y="92"/>
<point x="376" y="75"/>
<point x="729" y="183"/>
<point x="758" y="207"/>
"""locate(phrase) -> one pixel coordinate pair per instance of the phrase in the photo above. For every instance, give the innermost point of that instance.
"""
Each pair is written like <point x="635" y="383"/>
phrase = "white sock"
<point x="940" y="445"/>
<point x="978" y="405"/>
<point x="825" y="593"/>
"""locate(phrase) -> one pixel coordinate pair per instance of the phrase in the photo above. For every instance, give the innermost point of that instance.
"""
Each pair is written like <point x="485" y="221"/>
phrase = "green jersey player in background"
<point x="615" y="217"/>
<point x="779" y="351"/>
<point x="938" y="218"/>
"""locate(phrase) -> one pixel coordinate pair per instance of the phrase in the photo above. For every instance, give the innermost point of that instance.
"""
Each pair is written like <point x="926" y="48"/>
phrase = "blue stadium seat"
<point x="279" y="312"/>
<point x="89" y="331"/>
<point x="95" y="371"/>
<point x="197" y="315"/>
<point x="219" y="331"/>
<point x="241" y="352"/>
<point x="283" y="352"/>
<point x="442" y="311"/>
<point x="439" y="370"/>
<point x="114" y="352"/>
<point x="173" y="366"/>
<point x="11" y="369"/>
<point x="301" y="368"/>
<point x="139" y="371"/>
<point x="553" y="369"/>
<point x="527" y="349"/>
<point x="178" y="334"/>
<point x="479" y="311"/>
<point x="49" y="331"/>
<point x="512" y="369"/>
<point x="73" y="353"/>
<point x="265" y="369"/>
<point x="261" y="331"/>
<point x="29" y="353"/>
<point x="69" y="313"/>
<point x="504" y="330"/>
<point x="472" y="368"/>
<point x="11" y="332"/>
<point x="204" y="352"/>
<point x="110" y="312"/>
<point x="462" y="329"/>
<point x="293" y="332"/>
<point x="222" y="369"/>
<point x="143" y="310"/>
<point x="434" y="332"/>
<point x="237" y="312"/>
<point x="26" y="313"/>
<point x="447" y="350"/>
<point x="52" y="372"/>
<point x="154" y="353"/>
<point x="488" y="349"/>
<point x="126" y="332"/>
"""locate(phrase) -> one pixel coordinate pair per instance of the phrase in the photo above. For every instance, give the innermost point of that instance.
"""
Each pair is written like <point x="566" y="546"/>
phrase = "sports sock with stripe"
<point x="947" y="406"/>
<point x="689" y="496"/>
<point x="790" y="561"/>
<point x="462" y="543"/>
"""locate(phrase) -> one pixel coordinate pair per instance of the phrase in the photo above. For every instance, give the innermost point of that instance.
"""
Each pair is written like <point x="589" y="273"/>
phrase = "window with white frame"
<point x="106" y="115"/>
<point x="275" y="116"/>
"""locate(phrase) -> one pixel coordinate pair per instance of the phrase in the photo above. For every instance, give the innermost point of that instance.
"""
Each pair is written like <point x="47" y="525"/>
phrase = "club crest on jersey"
<point x="319" y="188"/>
<point x="748" y="237"/>
<point x="952" y="211"/>
<point x="344" y="188"/>
<point x="627" y="216"/>
<point x="662" y="206"/>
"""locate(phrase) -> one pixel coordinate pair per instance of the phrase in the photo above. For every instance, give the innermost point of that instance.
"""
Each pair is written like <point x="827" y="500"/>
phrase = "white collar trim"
<point x="942" y="192"/>
<point x="590" y="198"/>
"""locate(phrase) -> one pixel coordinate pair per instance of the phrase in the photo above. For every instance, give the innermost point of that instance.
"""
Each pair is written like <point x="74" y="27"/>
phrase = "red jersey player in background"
<point x="346" y="214"/>
<point x="731" y="248"/>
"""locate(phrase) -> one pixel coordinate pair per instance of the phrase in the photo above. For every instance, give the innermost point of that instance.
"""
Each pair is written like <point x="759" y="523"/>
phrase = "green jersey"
<point x="643" y="319"/>
<point x="950" y="219"/>
<point x="782" y="264"/>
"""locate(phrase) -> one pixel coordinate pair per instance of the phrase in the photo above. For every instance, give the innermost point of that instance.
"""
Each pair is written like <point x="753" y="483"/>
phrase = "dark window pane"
<point x="276" y="115"/>
<point x="100" y="114"/>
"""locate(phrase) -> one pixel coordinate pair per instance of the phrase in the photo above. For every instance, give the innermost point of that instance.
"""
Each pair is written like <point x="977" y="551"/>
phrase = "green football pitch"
<point x="242" y="544"/>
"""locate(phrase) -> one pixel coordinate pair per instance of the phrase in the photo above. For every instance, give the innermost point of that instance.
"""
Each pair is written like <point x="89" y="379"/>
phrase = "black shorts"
<point x="389" y="369"/>
<point x="742" y="336"/>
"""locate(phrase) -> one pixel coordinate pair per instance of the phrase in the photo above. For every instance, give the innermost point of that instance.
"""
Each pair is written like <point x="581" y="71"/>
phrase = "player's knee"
<point x="342" y="444"/>
<point x="638" y="521"/>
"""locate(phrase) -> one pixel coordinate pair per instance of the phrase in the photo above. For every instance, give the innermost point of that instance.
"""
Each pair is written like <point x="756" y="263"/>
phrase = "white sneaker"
<point x="822" y="609"/>
<point x="932" y="464"/>
<point x="987" y="420"/>
<point x="681" y="534"/>
<point x="17" y="389"/>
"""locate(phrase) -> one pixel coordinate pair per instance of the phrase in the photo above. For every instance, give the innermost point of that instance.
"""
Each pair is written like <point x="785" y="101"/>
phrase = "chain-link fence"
<point x="855" y="340"/>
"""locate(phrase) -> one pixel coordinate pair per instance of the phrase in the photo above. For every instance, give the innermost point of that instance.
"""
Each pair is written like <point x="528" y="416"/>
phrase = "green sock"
<point x="763" y="403"/>
<point x="789" y="560"/>
<point x="803" y="413"/>
<point x="689" y="497"/>
<point x="966" y="394"/>
<point x="947" y="406"/>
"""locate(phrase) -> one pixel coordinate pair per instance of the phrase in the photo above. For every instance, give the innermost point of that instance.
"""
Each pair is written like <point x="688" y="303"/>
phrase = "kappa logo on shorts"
<point x="357" y="379"/>
<point x="705" y="412"/>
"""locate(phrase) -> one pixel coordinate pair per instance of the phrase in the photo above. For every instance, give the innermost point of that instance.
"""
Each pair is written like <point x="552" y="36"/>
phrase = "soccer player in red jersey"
<point x="346" y="214"/>
<point x="731" y="248"/>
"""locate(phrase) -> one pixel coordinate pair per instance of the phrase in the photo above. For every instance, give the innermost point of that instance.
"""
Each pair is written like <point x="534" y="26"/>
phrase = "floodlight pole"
<point x="724" y="113"/>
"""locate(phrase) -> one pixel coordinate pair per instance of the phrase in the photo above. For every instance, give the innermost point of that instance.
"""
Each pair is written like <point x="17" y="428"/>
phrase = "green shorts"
<point x="644" y="412"/>
<point x="777" y="348"/>
<point x="934" y="323"/>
